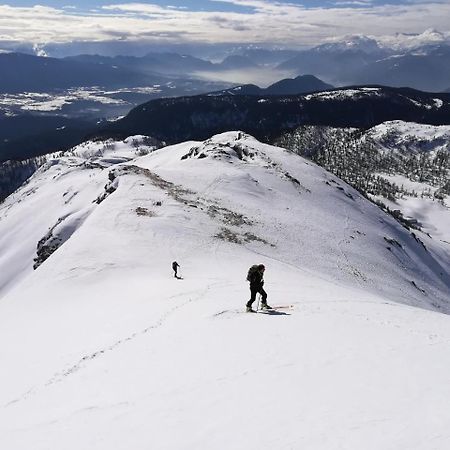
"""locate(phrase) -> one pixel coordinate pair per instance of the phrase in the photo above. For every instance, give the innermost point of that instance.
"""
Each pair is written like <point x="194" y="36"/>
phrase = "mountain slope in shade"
<point x="426" y="69"/>
<point x="50" y="73"/>
<point x="180" y="119"/>
<point x="334" y="63"/>
<point x="299" y="85"/>
<point x="105" y="349"/>
<point x="268" y="57"/>
<point x="29" y="135"/>
<point x="236" y="62"/>
<point x="288" y="86"/>
<point x="152" y="63"/>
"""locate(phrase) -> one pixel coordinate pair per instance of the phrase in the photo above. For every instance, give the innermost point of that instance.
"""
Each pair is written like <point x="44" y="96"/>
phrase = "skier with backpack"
<point x="256" y="278"/>
<point x="175" y="266"/>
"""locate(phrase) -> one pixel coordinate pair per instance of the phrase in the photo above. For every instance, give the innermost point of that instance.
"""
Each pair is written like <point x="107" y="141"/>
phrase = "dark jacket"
<point x="256" y="279"/>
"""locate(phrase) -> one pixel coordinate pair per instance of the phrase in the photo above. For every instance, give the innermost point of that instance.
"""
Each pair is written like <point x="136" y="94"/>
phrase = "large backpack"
<point x="251" y="273"/>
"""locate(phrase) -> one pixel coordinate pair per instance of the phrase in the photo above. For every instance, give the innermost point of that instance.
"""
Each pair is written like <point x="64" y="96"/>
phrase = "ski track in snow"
<point x="82" y="363"/>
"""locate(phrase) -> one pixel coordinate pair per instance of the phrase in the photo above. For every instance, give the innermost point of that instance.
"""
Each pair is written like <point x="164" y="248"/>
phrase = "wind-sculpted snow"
<point x="58" y="234"/>
<point x="105" y="349"/>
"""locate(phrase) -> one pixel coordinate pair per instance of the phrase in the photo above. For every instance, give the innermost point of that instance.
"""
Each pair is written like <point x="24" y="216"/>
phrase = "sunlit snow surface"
<point x="101" y="348"/>
<point x="399" y="135"/>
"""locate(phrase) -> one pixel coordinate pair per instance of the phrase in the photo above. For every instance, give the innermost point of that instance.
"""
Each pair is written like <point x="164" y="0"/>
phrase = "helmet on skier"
<point x="261" y="267"/>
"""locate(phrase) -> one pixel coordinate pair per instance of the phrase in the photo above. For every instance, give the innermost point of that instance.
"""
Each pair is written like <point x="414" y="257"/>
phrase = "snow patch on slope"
<point x="345" y="94"/>
<point x="413" y="137"/>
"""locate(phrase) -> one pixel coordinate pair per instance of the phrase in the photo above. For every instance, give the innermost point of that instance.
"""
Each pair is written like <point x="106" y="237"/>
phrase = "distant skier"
<point x="256" y="278"/>
<point x="175" y="266"/>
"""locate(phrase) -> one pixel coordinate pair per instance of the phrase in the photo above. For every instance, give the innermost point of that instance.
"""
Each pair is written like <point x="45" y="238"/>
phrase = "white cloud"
<point x="267" y="22"/>
<point x="353" y="3"/>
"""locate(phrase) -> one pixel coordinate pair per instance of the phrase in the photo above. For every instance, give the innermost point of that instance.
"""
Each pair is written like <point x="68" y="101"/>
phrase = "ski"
<point x="283" y="307"/>
<point x="277" y="307"/>
<point x="272" y="309"/>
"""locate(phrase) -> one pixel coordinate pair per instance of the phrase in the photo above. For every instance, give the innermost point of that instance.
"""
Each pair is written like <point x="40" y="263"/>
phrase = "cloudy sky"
<point x="294" y="23"/>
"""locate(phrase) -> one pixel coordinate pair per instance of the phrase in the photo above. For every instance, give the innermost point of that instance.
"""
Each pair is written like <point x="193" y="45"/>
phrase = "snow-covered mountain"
<point x="397" y="135"/>
<point x="426" y="68"/>
<point x="104" y="349"/>
<point x="415" y="61"/>
<point x="414" y="41"/>
<point x="422" y="171"/>
<point x="389" y="43"/>
<point x="354" y="43"/>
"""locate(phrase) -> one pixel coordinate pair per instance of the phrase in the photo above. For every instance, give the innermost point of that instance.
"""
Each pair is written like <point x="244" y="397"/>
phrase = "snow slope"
<point x="414" y="139"/>
<point x="103" y="349"/>
<point x="397" y="135"/>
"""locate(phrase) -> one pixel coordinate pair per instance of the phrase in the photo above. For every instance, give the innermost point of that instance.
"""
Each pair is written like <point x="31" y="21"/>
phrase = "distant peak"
<point x="351" y="43"/>
<point x="404" y="41"/>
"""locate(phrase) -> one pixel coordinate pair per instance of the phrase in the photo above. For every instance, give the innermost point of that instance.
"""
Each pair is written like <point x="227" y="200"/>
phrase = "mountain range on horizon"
<point x="357" y="60"/>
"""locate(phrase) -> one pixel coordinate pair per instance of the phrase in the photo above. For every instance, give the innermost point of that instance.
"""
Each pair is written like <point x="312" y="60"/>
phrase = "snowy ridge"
<point x="106" y="350"/>
<point x="343" y="94"/>
<point x="33" y="218"/>
<point x="353" y="42"/>
<point x="361" y="92"/>
<point x="399" y="42"/>
<point x="411" y="137"/>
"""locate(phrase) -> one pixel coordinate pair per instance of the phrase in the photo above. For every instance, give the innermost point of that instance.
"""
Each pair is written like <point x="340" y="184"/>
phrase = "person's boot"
<point x="265" y="306"/>
<point x="249" y="309"/>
